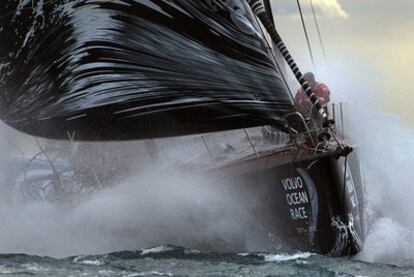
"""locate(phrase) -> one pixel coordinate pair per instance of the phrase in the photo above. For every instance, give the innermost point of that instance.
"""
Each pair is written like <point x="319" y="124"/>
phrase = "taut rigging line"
<point x="319" y="31"/>
<point x="306" y="33"/>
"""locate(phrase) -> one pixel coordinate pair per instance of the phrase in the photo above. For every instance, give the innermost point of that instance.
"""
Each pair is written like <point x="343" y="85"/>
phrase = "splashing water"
<point x="386" y="151"/>
<point x="143" y="211"/>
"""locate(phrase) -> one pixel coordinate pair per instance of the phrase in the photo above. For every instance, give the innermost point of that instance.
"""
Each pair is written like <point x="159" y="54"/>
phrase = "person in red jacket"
<point x="303" y="102"/>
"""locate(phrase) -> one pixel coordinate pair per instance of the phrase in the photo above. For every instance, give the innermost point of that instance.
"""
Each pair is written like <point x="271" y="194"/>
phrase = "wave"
<point x="170" y="260"/>
<point x="166" y="252"/>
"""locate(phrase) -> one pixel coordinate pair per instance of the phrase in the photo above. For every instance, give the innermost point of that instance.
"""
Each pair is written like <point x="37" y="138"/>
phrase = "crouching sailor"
<point x="302" y="101"/>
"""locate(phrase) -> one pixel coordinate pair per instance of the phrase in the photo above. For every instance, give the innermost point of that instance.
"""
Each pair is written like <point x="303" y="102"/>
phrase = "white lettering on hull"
<point x="292" y="183"/>
<point x="298" y="213"/>
<point x="296" y="197"/>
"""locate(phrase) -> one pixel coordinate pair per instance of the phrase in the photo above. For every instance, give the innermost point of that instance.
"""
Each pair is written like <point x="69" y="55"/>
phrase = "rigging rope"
<point x="259" y="10"/>
<point x="319" y="31"/>
<point x="306" y="33"/>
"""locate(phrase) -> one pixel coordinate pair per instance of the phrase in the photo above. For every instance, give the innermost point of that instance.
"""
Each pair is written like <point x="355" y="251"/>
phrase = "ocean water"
<point x="177" y="261"/>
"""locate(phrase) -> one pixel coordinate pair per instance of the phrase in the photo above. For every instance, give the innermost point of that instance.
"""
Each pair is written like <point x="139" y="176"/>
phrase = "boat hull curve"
<point x="314" y="204"/>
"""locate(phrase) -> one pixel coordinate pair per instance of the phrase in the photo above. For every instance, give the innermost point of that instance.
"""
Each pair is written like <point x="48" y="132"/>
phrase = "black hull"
<point x="304" y="204"/>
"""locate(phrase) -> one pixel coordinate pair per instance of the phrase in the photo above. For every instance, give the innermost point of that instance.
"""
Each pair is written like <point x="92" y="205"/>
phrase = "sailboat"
<point x="161" y="70"/>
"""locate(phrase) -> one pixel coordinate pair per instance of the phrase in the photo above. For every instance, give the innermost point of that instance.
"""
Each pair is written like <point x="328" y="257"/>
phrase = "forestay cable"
<point x="319" y="31"/>
<point x="306" y="33"/>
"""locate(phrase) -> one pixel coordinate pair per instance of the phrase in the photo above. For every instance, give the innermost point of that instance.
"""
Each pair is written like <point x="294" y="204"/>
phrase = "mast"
<point x="260" y="11"/>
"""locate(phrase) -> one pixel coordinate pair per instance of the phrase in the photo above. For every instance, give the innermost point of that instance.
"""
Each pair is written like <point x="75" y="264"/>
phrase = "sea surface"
<point x="178" y="261"/>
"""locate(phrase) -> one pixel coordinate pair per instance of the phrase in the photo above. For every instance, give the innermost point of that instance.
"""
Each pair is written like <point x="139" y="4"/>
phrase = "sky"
<point x="370" y="43"/>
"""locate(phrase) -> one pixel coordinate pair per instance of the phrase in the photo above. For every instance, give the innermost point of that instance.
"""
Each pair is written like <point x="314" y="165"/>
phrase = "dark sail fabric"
<point x="130" y="69"/>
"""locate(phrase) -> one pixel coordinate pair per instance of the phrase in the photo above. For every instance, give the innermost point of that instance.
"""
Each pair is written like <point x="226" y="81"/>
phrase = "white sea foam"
<point x="8" y="270"/>
<point x="284" y="258"/>
<point x="149" y="273"/>
<point x="155" y="250"/>
<point x="84" y="260"/>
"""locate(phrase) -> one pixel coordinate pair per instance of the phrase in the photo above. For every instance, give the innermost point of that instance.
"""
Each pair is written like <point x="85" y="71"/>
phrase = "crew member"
<point x="303" y="102"/>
